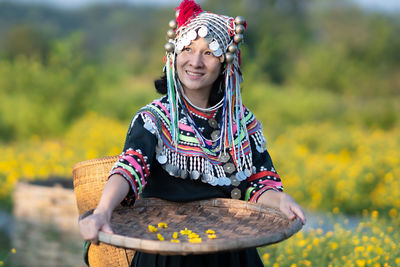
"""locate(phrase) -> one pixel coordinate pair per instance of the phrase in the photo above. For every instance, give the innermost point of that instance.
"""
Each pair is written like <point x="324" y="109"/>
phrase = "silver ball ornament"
<point x="239" y="28"/>
<point x="239" y="20"/>
<point x="229" y="57"/>
<point x="238" y="38"/>
<point x="169" y="47"/>
<point x="232" y="48"/>
<point x="171" y="34"/>
<point x="172" y="24"/>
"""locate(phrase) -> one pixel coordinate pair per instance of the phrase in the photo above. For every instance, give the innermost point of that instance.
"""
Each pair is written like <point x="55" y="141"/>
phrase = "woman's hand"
<point x="114" y="192"/>
<point x="91" y="225"/>
<point x="284" y="202"/>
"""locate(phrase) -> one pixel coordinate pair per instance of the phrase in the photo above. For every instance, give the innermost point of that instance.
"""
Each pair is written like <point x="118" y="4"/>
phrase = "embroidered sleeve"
<point x="137" y="156"/>
<point x="264" y="175"/>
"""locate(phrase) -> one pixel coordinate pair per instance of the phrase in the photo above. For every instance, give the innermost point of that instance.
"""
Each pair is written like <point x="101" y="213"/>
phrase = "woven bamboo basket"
<point x="237" y="225"/>
<point x="89" y="179"/>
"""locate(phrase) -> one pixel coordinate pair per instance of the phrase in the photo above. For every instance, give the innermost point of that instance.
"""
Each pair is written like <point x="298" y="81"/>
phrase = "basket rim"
<point x="216" y="245"/>
<point x="95" y="161"/>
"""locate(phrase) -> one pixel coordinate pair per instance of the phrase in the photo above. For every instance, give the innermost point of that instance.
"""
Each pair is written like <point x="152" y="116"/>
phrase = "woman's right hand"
<point x="91" y="225"/>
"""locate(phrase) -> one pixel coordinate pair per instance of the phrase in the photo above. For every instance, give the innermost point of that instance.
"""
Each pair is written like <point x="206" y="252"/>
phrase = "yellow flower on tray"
<point x="175" y="235"/>
<point x="162" y="225"/>
<point x="160" y="237"/>
<point x="210" y="232"/>
<point x="152" y="228"/>
<point x="212" y="236"/>
<point x="175" y="241"/>
<point x="195" y="240"/>
<point x="185" y="232"/>
<point x="193" y="235"/>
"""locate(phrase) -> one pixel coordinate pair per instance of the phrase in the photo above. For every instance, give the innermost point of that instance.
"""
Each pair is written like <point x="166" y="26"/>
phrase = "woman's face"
<point x="197" y="67"/>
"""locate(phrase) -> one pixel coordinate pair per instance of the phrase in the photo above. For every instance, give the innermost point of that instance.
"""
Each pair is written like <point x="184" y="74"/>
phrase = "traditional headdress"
<point x="224" y="35"/>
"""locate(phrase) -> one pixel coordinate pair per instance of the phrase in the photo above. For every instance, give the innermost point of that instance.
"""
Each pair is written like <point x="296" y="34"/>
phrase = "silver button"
<point x="229" y="168"/>
<point x="236" y="194"/>
<point x="224" y="157"/>
<point x="234" y="181"/>
<point x="213" y="123"/>
<point x="215" y="135"/>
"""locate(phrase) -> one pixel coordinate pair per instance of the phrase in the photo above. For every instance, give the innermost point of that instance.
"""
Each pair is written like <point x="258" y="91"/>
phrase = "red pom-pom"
<point x="187" y="9"/>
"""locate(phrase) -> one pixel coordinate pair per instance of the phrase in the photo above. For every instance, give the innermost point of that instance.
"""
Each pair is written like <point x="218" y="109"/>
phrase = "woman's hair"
<point x="216" y="94"/>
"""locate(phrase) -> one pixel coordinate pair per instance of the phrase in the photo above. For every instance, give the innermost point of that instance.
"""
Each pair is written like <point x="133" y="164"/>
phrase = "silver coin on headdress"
<point x="214" y="45"/>
<point x="179" y="46"/>
<point x="202" y="32"/>
<point x="191" y="35"/>
<point x="185" y="41"/>
<point x="218" y="52"/>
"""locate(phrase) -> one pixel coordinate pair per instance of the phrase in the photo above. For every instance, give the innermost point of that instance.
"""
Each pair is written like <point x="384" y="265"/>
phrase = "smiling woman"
<point x="197" y="142"/>
<point x="198" y="69"/>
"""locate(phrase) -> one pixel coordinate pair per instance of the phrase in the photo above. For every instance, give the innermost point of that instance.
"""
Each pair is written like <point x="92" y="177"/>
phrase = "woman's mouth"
<point x="194" y="75"/>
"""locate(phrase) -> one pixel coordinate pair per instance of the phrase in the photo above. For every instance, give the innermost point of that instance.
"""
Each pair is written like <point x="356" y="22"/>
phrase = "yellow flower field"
<point x="346" y="170"/>
<point x="374" y="242"/>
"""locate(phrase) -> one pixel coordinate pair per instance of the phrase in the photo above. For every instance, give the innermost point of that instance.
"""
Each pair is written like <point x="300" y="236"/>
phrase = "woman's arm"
<point x="114" y="192"/>
<point x="284" y="202"/>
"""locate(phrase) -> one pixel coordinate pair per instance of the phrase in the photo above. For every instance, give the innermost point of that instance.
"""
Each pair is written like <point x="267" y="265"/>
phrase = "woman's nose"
<point x="196" y="60"/>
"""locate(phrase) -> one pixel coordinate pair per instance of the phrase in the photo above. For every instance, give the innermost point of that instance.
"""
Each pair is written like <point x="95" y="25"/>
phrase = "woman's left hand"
<point x="284" y="202"/>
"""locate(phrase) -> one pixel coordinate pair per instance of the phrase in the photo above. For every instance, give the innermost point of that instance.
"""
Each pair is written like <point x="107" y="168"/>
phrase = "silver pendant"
<point x="227" y="181"/>
<point x="236" y="194"/>
<point x="214" y="181"/>
<point x="240" y="176"/>
<point x="221" y="181"/>
<point x="162" y="159"/>
<point x="195" y="175"/>
<point x="183" y="174"/>
<point x="213" y="123"/>
<point x="229" y="168"/>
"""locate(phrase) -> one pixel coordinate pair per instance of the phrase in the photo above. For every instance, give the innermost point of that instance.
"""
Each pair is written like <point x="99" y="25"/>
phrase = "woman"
<point x="198" y="141"/>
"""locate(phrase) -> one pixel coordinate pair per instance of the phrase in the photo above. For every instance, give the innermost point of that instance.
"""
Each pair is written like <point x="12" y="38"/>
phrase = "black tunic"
<point x="151" y="179"/>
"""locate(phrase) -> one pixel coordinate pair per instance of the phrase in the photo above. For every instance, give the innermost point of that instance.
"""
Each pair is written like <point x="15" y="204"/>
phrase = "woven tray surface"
<point x="237" y="225"/>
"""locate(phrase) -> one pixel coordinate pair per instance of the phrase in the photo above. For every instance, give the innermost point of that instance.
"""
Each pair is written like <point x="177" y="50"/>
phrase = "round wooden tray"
<point x="237" y="225"/>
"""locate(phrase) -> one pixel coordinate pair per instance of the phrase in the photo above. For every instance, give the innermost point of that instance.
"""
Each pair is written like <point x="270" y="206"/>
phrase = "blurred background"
<point x="322" y="76"/>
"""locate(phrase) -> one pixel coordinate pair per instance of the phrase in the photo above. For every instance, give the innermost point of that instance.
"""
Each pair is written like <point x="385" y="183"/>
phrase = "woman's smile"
<point x="197" y="69"/>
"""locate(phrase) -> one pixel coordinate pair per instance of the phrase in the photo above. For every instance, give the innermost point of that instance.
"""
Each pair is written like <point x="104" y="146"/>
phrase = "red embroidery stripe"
<point x="261" y="174"/>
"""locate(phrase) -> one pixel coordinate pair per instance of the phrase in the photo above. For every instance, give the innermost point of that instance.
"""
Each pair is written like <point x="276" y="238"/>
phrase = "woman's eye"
<point x="208" y="53"/>
<point x="187" y="49"/>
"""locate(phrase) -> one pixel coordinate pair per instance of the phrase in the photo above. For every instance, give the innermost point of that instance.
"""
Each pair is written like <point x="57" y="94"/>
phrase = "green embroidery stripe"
<point x="132" y="171"/>
<point x="247" y="118"/>
<point x="161" y="114"/>
<point x="248" y="192"/>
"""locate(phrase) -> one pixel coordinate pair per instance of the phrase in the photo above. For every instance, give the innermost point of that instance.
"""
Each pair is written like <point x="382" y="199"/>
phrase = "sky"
<point x="383" y="5"/>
